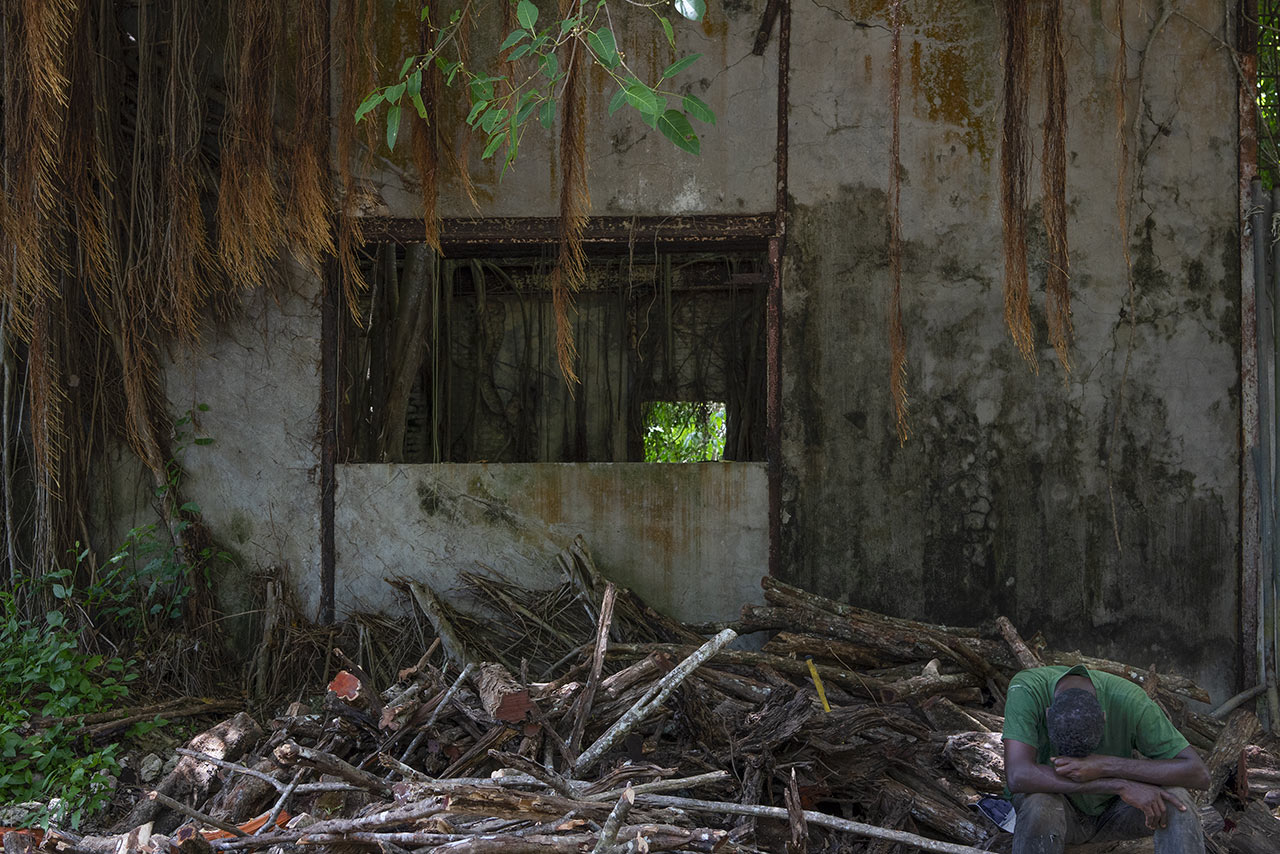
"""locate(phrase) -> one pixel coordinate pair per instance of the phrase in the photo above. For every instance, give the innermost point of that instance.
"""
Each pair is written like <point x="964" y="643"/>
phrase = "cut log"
<point x="193" y="778"/>
<point x="979" y="759"/>
<point x="1225" y="757"/>
<point x="1026" y="658"/>
<point x="503" y="698"/>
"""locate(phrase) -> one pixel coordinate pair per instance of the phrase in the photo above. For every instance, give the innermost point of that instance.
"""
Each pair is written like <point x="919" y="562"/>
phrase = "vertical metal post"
<point x="777" y="246"/>
<point x="328" y="374"/>
<point x="1263" y="459"/>
<point x="1246" y="116"/>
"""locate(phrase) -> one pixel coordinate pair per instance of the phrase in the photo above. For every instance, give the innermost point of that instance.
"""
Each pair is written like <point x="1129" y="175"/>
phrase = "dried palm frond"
<point x="1014" y="158"/>
<point x="897" y="336"/>
<point x="575" y="202"/>
<point x="1054" y="185"/>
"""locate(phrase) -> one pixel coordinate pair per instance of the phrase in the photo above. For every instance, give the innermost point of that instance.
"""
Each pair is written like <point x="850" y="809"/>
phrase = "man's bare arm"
<point x="1025" y="776"/>
<point x="1186" y="769"/>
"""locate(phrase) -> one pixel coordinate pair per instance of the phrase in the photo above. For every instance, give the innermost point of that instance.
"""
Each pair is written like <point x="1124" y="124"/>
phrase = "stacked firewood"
<point x="610" y="728"/>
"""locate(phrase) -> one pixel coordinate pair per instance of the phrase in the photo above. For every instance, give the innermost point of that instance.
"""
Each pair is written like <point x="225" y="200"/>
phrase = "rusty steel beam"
<point x="766" y="27"/>
<point x="328" y="378"/>
<point x="773" y="333"/>
<point x="515" y="235"/>
<point x="1250" y="531"/>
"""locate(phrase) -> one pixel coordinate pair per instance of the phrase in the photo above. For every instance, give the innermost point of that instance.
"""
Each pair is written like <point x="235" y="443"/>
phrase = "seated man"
<point x="1070" y="735"/>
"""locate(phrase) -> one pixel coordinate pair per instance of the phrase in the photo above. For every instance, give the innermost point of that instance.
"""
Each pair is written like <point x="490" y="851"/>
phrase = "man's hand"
<point x="1080" y="769"/>
<point x="1151" y="800"/>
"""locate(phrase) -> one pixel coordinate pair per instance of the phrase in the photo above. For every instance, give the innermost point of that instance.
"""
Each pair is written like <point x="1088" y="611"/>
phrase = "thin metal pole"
<point x="777" y="246"/>
<point x="328" y="376"/>
<point x="1264" y="329"/>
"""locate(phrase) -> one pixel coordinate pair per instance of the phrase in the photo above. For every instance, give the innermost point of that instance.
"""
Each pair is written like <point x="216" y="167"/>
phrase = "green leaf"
<point x="617" y="101"/>
<point x="373" y="100"/>
<point x="680" y="65"/>
<point x="547" y="114"/>
<point x="527" y="14"/>
<point x="528" y="103"/>
<point x="676" y="127"/>
<point x="393" y="126"/>
<point x="666" y="28"/>
<point x="492" y="119"/>
<point x="405" y="68"/>
<point x="492" y="146"/>
<point x="643" y="98"/>
<point x="691" y="9"/>
<point x="694" y="106"/>
<point x="203" y="407"/>
<point x="520" y="52"/>
<point x="604" y="46"/>
<point x="416" y="99"/>
<point x="476" y="109"/>
<point x="414" y="84"/>
<point x="568" y="24"/>
<point x="394" y="92"/>
<point x="512" y="39"/>
<point x="550" y="66"/>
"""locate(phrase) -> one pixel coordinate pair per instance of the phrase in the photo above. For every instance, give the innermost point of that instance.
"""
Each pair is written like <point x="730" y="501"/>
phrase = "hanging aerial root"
<point x="250" y="226"/>
<point x="426" y="147"/>
<point x="187" y="256"/>
<point x="897" y="336"/>
<point x="308" y="202"/>
<point x="36" y="95"/>
<point x="1014" y="158"/>
<point x="575" y="202"/>
<point x="1054" y="186"/>
<point x="354" y="21"/>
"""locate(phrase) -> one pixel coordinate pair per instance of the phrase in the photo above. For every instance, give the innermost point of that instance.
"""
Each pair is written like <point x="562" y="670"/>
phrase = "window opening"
<point x="680" y="431"/>
<point x="453" y="360"/>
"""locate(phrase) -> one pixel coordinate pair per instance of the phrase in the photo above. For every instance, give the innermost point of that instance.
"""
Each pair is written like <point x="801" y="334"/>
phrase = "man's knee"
<point x="1041" y="826"/>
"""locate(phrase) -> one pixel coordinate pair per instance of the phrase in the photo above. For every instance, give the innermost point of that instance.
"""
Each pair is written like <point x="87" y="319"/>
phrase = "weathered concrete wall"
<point x="693" y="540"/>
<point x="1099" y="508"/>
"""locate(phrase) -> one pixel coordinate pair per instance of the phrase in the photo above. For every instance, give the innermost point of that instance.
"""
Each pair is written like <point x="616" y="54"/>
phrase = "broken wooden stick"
<point x="190" y="812"/>
<point x="291" y="753"/>
<point x="652" y="699"/>
<point x="1026" y="658"/>
<point x="587" y="697"/>
<point x="609" y="830"/>
<point x="820" y="819"/>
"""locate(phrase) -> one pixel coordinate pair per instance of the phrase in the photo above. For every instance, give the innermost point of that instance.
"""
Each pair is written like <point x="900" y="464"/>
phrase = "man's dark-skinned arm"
<point x="1025" y="776"/>
<point x="1186" y="769"/>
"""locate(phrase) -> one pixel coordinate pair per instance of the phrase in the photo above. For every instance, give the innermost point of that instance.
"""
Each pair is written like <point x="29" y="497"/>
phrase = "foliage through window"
<point x="683" y="432"/>
<point x="454" y="359"/>
<point x="1269" y="91"/>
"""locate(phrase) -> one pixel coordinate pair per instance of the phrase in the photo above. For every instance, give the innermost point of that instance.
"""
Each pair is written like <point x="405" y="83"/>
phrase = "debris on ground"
<point x="581" y="720"/>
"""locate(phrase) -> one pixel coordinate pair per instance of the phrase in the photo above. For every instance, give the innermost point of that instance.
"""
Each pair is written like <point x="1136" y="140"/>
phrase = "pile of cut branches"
<point x="847" y="730"/>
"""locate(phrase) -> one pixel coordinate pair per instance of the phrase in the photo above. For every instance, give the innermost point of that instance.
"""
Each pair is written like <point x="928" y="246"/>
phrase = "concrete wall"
<point x="693" y="539"/>
<point x="1099" y="507"/>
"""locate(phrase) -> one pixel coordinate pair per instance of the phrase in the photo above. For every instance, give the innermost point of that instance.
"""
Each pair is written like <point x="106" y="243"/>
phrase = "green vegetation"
<point x="43" y="674"/>
<point x="501" y="105"/>
<point x="1269" y="92"/>
<point x="48" y="680"/>
<point x="683" y="432"/>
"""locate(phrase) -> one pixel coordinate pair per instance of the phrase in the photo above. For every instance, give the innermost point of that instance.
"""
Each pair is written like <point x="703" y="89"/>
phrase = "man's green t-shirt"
<point x="1132" y="721"/>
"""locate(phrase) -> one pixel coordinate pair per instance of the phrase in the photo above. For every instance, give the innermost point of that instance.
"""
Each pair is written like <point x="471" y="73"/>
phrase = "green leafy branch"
<point x="501" y="108"/>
